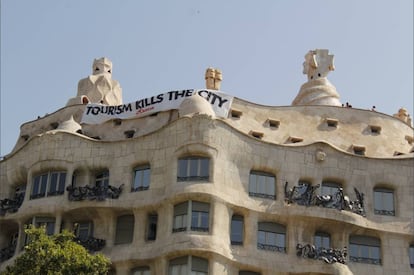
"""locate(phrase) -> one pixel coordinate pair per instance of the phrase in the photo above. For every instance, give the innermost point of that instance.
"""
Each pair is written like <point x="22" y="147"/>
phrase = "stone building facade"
<point x="312" y="188"/>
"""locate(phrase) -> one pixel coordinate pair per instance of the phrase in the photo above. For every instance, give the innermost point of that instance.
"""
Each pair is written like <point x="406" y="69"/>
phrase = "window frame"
<point x="102" y="178"/>
<point x="323" y="236"/>
<point x="384" y="192"/>
<point x="141" y="270"/>
<point x="152" y="221"/>
<point x="411" y="255"/>
<point x="365" y="244"/>
<point x="271" y="231"/>
<point x="88" y="225"/>
<point x="189" y="265"/>
<point x="143" y="172"/>
<point x="42" y="184"/>
<point x="236" y="238"/>
<point x="269" y="181"/>
<point x="186" y="165"/>
<point x="121" y="231"/>
<point x="200" y="211"/>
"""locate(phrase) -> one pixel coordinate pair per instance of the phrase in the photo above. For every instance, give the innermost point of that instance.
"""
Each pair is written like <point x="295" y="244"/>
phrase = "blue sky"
<point x="47" y="46"/>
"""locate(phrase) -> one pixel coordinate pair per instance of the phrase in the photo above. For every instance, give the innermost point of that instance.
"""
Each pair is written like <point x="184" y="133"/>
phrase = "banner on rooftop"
<point x="97" y="113"/>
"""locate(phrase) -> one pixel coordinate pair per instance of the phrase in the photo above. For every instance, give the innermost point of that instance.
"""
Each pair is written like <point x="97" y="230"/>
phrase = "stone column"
<point x="58" y="222"/>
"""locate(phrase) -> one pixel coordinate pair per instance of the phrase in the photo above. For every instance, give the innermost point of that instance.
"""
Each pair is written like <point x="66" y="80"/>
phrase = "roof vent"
<point x="256" y="134"/>
<point x="273" y="123"/>
<point x="332" y="122"/>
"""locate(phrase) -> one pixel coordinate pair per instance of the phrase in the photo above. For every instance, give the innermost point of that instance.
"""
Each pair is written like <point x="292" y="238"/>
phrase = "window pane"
<point x="261" y="237"/>
<point x="62" y="183"/>
<point x="43" y="184"/>
<point x="364" y="251"/>
<point x="261" y="185"/>
<point x="182" y="168"/>
<point x="412" y="256"/>
<point x="194" y="167"/>
<point x="36" y="185"/>
<point x="236" y="234"/>
<point x="388" y="201"/>
<point x="353" y="250"/>
<point x="204" y="167"/>
<point x="152" y="227"/>
<point x="375" y="252"/>
<point x="271" y="238"/>
<point x="53" y="182"/>
<point x="124" y="229"/>
<point x="146" y="178"/>
<point x="378" y="201"/>
<point x="252" y="184"/>
<point x="280" y="240"/>
<point x="199" y="264"/>
<point x="204" y="219"/>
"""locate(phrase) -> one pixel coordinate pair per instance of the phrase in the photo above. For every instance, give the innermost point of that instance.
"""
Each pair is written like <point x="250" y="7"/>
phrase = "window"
<point x="411" y="253"/>
<point x="271" y="236"/>
<point x="124" y="229"/>
<point x="188" y="265"/>
<point x="330" y="188"/>
<point x="257" y="134"/>
<point x="322" y="240"/>
<point x="384" y="202"/>
<point x="262" y="185"/>
<point x="243" y="272"/>
<point x="48" y="223"/>
<point x="332" y="122"/>
<point x="142" y="270"/>
<point x="273" y="123"/>
<point x="364" y="249"/>
<point x="141" y="178"/>
<point x="236" y="231"/>
<point x="236" y="113"/>
<point x="359" y="149"/>
<point x="53" y="182"/>
<point x="199" y="216"/>
<point x="152" y="227"/>
<point x="193" y="169"/>
<point x="102" y="179"/>
<point x="84" y="230"/>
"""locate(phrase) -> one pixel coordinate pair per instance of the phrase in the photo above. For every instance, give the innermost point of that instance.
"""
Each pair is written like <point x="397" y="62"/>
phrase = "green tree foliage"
<point x="57" y="254"/>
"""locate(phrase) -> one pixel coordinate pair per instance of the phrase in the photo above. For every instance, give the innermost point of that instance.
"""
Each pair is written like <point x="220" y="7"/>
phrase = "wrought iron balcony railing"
<point x="98" y="193"/>
<point x="91" y="244"/>
<point x="11" y="205"/>
<point x="365" y="260"/>
<point x="328" y="255"/>
<point x="7" y="252"/>
<point x="304" y="194"/>
<point x="271" y="247"/>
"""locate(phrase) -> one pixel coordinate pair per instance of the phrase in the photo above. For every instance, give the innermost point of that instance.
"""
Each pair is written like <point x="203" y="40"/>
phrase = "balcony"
<point x="11" y="205"/>
<point x="91" y="244"/>
<point x="96" y="192"/>
<point x="304" y="194"/>
<point x="7" y="252"/>
<point x="327" y="255"/>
